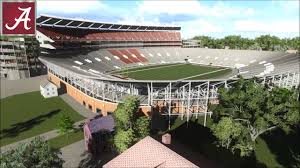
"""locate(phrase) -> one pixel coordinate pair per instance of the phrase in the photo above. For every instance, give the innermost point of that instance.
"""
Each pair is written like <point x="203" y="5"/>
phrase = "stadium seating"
<point x="249" y="63"/>
<point x="130" y="57"/>
<point x="121" y="56"/>
<point x="137" y="54"/>
<point x="68" y="35"/>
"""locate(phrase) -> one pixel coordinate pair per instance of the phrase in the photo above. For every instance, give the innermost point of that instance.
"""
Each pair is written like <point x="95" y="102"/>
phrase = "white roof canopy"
<point x="53" y="21"/>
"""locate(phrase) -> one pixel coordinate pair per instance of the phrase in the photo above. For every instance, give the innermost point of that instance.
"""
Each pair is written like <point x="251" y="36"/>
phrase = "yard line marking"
<point x="151" y="68"/>
<point x="147" y="66"/>
<point x="204" y="74"/>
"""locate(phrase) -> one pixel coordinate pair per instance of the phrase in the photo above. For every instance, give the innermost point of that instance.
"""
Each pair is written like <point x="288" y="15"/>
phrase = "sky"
<point x="248" y="18"/>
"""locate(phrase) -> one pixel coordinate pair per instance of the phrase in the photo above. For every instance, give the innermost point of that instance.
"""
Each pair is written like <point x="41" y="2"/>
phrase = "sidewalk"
<point x="73" y="154"/>
<point x="14" y="87"/>
<point x="46" y="136"/>
<point x="77" y="106"/>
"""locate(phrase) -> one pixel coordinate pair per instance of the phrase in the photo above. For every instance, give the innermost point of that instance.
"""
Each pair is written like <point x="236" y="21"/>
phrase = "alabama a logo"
<point x="18" y="18"/>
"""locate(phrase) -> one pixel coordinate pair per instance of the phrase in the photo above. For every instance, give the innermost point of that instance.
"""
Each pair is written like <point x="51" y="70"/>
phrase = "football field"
<point x="174" y="72"/>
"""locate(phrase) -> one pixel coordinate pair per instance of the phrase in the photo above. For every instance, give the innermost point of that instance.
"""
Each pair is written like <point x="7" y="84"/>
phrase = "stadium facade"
<point x="80" y="56"/>
<point x="19" y="58"/>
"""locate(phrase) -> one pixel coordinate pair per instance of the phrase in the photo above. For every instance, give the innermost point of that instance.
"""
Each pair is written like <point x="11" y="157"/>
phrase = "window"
<point x="98" y="111"/>
<point x="84" y="103"/>
<point x="90" y="107"/>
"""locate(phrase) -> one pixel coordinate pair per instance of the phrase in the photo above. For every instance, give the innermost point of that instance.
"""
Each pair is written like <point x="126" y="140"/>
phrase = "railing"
<point x="8" y="64"/>
<point x="7" y="57"/>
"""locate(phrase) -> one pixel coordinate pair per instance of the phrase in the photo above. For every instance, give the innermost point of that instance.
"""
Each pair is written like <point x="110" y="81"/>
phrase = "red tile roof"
<point x="149" y="153"/>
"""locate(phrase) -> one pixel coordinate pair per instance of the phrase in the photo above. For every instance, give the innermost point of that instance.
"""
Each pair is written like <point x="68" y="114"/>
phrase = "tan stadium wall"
<point x="79" y="96"/>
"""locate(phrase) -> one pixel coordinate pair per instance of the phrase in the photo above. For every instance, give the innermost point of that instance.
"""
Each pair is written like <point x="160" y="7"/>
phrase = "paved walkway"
<point x="46" y="136"/>
<point x="13" y="87"/>
<point x="77" y="106"/>
<point x="73" y="154"/>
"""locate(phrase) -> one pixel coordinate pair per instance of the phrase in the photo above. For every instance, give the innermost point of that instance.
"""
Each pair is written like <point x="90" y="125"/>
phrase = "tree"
<point x="267" y="42"/>
<point x="296" y="161"/>
<point x="231" y="135"/>
<point x="293" y="43"/>
<point x="123" y="140"/>
<point x="254" y="46"/>
<point x="227" y="131"/>
<point x="126" y="113"/>
<point x="129" y="126"/>
<point x="257" y="108"/>
<point x="142" y="127"/>
<point x="236" y="42"/>
<point x="205" y="41"/>
<point x="264" y="42"/>
<point x="65" y="125"/>
<point x="35" y="154"/>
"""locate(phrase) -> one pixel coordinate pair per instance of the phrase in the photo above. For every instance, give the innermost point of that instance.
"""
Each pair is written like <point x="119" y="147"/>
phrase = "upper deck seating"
<point x="79" y="35"/>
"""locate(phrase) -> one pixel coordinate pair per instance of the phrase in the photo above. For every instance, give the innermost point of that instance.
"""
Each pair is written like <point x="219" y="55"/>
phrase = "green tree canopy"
<point x="123" y="140"/>
<point x="297" y="161"/>
<point x="264" y="42"/>
<point x="129" y="126"/>
<point x="126" y="113"/>
<point x="65" y="124"/>
<point x="257" y="108"/>
<point x="142" y="127"/>
<point x="233" y="42"/>
<point x="227" y="130"/>
<point x="35" y="154"/>
<point x="205" y="41"/>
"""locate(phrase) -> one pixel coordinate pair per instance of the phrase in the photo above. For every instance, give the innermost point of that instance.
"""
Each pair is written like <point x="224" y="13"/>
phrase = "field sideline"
<point x="174" y="72"/>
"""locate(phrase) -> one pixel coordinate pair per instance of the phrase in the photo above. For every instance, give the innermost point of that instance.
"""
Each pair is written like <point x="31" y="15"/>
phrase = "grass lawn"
<point x="29" y="114"/>
<point x="272" y="149"/>
<point x="264" y="155"/>
<point x="172" y="72"/>
<point x="65" y="140"/>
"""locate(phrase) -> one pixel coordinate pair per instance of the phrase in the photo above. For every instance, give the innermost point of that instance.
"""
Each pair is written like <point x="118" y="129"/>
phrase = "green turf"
<point x="65" y="140"/>
<point x="29" y="114"/>
<point x="170" y="73"/>
<point x="125" y="70"/>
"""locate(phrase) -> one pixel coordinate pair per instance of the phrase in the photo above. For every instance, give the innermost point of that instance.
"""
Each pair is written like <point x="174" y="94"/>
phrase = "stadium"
<point x="99" y="64"/>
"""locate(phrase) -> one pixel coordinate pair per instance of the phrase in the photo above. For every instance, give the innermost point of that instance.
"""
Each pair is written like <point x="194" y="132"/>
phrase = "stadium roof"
<point x="53" y="21"/>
